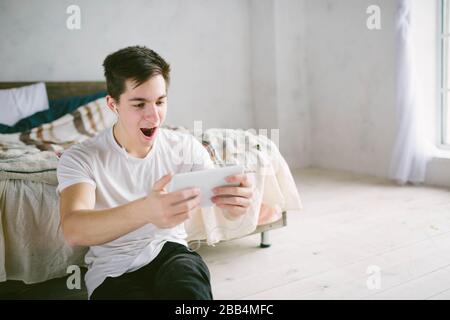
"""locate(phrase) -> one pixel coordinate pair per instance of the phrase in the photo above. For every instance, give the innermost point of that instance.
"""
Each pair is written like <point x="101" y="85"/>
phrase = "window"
<point x="444" y="44"/>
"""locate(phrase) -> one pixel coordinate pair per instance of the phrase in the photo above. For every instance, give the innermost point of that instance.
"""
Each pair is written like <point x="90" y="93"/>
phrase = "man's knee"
<point x="185" y="276"/>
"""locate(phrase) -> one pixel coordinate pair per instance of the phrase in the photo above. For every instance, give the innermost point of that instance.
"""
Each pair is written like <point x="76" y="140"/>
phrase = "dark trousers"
<point x="176" y="273"/>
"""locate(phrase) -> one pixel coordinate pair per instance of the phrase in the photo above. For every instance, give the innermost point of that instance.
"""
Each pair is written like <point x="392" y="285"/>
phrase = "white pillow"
<point x="19" y="103"/>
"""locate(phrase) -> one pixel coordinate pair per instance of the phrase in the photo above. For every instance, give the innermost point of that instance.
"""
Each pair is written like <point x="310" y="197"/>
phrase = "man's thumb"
<point x="161" y="183"/>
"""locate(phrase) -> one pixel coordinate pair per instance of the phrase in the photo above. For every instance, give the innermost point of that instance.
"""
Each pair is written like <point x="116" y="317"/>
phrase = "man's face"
<point x="142" y="110"/>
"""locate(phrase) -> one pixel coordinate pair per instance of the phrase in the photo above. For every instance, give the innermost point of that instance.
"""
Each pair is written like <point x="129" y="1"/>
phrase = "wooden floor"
<point x="357" y="238"/>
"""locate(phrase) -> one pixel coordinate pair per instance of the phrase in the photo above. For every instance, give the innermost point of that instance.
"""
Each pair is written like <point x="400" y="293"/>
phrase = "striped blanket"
<point x="57" y="136"/>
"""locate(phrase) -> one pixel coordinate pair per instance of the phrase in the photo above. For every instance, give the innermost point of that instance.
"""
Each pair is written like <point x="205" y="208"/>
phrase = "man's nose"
<point x="151" y="113"/>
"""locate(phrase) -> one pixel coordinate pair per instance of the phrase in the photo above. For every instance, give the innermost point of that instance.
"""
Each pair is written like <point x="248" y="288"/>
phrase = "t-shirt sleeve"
<point x="74" y="166"/>
<point x="201" y="157"/>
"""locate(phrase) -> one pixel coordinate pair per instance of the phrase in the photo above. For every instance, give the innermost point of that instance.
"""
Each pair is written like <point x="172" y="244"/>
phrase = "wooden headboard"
<point x="57" y="90"/>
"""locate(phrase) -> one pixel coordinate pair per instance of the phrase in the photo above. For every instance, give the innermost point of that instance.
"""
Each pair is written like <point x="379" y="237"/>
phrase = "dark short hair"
<point x="136" y="63"/>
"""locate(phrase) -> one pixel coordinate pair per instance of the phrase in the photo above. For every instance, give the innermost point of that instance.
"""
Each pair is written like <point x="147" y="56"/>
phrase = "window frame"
<point x="443" y="65"/>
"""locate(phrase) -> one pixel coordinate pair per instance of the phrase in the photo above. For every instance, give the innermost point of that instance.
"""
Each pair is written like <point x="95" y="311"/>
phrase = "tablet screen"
<point x="206" y="180"/>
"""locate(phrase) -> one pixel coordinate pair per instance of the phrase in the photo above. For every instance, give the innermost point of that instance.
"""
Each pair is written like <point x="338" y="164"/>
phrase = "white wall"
<point x="351" y="85"/>
<point x="332" y="90"/>
<point x="207" y="43"/>
<point x="263" y="64"/>
<point x="293" y="103"/>
<point x="280" y="96"/>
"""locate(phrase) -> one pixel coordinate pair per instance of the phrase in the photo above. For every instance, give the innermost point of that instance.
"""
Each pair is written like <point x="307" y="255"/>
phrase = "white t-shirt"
<point x="120" y="178"/>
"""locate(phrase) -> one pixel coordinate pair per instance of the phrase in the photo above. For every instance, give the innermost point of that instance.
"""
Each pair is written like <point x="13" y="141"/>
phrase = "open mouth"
<point x="148" y="132"/>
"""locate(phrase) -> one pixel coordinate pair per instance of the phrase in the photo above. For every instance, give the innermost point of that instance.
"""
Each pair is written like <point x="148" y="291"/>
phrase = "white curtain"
<point x="413" y="147"/>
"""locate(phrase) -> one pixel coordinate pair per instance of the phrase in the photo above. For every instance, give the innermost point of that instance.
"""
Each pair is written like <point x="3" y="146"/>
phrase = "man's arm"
<point x="84" y="226"/>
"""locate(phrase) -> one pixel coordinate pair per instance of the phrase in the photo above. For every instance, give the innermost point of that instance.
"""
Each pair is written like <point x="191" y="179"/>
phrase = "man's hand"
<point x="235" y="200"/>
<point x="167" y="210"/>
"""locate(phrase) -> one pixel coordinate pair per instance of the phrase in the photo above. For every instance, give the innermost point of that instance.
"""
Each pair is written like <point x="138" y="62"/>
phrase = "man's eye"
<point x="159" y="103"/>
<point x="140" y="105"/>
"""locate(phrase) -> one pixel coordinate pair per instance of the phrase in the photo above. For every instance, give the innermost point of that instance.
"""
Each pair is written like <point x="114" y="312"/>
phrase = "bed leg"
<point x="265" y="240"/>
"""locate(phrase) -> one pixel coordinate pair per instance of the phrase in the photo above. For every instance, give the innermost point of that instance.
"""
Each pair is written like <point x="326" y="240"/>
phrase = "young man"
<point x="113" y="197"/>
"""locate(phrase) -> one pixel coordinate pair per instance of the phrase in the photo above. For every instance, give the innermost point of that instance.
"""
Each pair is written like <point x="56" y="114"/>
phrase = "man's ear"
<point x="112" y="104"/>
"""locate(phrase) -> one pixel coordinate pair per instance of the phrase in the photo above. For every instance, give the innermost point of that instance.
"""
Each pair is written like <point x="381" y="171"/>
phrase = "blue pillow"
<point x="57" y="109"/>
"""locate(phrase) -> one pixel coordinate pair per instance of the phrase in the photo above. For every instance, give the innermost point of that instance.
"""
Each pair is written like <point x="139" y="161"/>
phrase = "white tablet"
<point x="206" y="180"/>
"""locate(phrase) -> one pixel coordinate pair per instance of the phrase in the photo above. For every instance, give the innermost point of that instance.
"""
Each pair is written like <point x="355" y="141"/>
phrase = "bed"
<point x="33" y="253"/>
